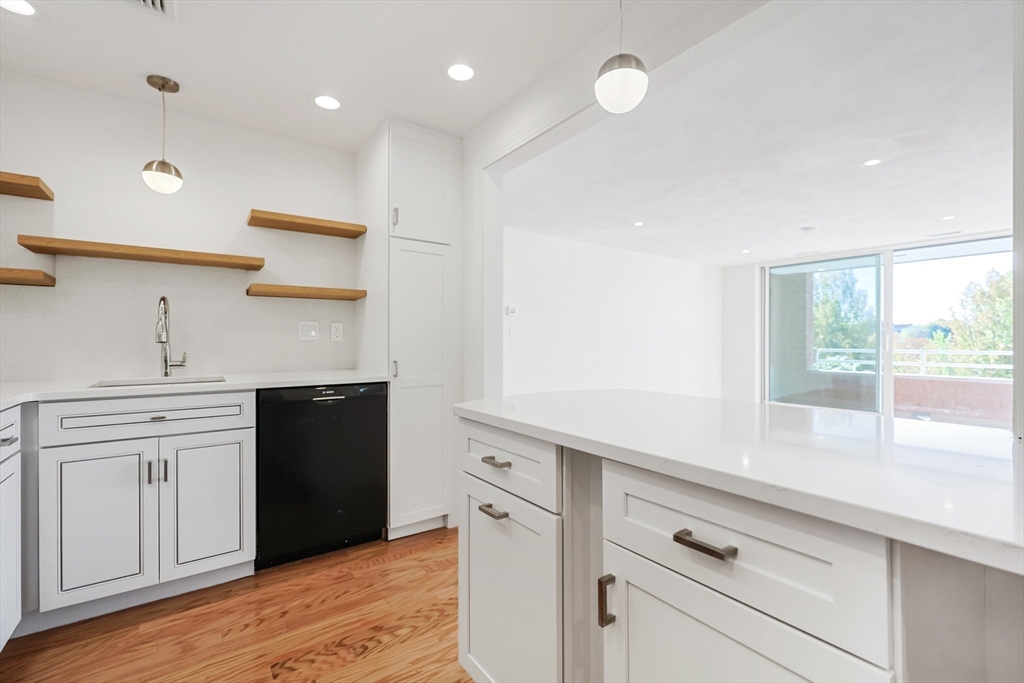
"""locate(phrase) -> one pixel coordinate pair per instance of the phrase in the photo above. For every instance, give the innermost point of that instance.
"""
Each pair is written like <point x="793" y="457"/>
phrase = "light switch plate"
<point x="337" y="332"/>
<point x="309" y="330"/>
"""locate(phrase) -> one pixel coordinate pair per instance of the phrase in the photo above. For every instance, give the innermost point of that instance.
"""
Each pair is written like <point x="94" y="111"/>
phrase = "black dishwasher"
<point x="321" y="473"/>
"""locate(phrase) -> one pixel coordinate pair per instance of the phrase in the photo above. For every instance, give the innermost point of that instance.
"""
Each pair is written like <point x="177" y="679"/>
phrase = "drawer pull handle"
<point x="603" y="616"/>
<point x="157" y="418"/>
<point x="493" y="462"/>
<point x="9" y="441"/>
<point x="685" y="537"/>
<point x="488" y="509"/>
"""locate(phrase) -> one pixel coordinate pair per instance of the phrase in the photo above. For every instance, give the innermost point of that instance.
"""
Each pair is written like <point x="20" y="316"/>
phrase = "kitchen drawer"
<point x="510" y="586"/>
<point x="10" y="432"/>
<point x="75" y="422"/>
<point x="527" y="467"/>
<point x="669" y="628"/>
<point x="824" y="578"/>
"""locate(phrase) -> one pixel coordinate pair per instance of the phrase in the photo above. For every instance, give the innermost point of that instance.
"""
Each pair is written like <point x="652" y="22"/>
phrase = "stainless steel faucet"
<point x="163" y="336"/>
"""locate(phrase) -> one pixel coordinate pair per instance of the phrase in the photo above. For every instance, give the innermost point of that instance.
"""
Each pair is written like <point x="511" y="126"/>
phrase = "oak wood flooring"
<point x="376" y="612"/>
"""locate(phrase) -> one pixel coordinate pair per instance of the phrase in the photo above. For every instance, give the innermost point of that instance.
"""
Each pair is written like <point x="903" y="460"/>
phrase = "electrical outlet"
<point x="512" y="310"/>
<point x="309" y="330"/>
<point x="337" y="332"/>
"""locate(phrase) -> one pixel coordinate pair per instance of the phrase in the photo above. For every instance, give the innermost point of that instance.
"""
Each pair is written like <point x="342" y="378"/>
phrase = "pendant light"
<point x="161" y="175"/>
<point x="622" y="80"/>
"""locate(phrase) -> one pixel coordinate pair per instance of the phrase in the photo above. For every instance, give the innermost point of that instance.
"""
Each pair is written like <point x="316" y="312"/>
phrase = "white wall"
<point x="673" y="39"/>
<point x="741" y="333"/>
<point x="98" y="322"/>
<point x="591" y="317"/>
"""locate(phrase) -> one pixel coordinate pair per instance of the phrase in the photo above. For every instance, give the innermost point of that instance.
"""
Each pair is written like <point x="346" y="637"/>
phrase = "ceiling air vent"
<point x="163" y="8"/>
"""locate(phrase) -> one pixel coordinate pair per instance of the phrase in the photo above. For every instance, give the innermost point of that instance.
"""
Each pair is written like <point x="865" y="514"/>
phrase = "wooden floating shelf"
<point x="316" y="226"/>
<point x="24" y="186"/>
<point x="22" y="276"/>
<point x="126" y="252"/>
<point x="293" y="292"/>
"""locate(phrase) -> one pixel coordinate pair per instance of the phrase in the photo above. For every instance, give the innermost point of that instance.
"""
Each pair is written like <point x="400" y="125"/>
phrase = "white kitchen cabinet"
<point x="122" y="515"/>
<point x="207" y="499"/>
<point x="98" y="523"/>
<point x="666" y="627"/>
<point x="510" y="586"/>
<point x="10" y="546"/>
<point x="422" y="313"/>
<point x="420" y="189"/>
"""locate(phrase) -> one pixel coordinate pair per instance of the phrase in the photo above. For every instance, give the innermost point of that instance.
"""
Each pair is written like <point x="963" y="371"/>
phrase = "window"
<point x="948" y="320"/>
<point x="824" y="333"/>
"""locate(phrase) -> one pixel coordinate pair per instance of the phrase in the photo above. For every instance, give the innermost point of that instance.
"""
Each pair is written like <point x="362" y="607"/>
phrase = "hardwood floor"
<point x="377" y="612"/>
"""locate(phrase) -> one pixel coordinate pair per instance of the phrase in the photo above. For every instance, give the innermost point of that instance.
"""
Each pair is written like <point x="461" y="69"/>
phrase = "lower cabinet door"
<point x="667" y="627"/>
<point x="98" y="525"/>
<point x="510" y="586"/>
<point x="10" y="547"/>
<point x="207" y="502"/>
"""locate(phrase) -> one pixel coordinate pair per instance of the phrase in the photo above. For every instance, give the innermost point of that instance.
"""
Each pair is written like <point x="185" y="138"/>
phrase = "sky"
<point x="926" y="290"/>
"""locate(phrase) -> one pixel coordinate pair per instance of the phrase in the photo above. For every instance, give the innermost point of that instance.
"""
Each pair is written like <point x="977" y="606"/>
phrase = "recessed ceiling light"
<point x="18" y="7"/>
<point x="460" y="72"/>
<point x="638" y="224"/>
<point x="746" y="251"/>
<point x="808" y="228"/>
<point x="948" y="218"/>
<point x="872" y="162"/>
<point x="327" y="102"/>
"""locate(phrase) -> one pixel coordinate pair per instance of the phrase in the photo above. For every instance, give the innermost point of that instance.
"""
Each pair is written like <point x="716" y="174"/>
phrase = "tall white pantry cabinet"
<point x="409" y="196"/>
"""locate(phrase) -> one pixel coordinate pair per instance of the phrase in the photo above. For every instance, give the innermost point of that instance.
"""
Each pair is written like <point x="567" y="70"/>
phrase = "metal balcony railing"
<point x="966" y="364"/>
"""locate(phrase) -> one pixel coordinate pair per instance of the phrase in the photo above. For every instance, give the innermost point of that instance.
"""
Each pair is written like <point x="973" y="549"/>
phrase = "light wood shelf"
<point x="316" y="226"/>
<point x="24" y="186"/>
<point x="23" y="276"/>
<point x="293" y="292"/>
<point x="126" y="252"/>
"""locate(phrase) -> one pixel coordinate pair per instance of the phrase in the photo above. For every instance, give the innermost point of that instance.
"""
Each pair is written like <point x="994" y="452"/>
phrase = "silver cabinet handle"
<point x="394" y="365"/>
<point x="9" y="441"/>
<point x="493" y="462"/>
<point x="328" y="398"/>
<point x="685" y="537"/>
<point x="603" y="616"/>
<point x="149" y="471"/>
<point x="488" y="509"/>
<point x="394" y="216"/>
<point x="157" y="418"/>
<point x="165" y="471"/>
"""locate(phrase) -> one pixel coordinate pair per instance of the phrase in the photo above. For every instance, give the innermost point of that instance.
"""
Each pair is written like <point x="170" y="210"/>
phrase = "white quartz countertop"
<point x="15" y="393"/>
<point x="955" y="489"/>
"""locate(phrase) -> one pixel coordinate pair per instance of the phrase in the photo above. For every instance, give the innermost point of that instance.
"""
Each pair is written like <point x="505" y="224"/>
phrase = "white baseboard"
<point x="416" y="527"/>
<point x="35" y="621"/>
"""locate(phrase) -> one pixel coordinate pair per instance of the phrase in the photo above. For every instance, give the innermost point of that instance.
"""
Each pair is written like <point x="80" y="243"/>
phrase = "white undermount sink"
<point x="155" y="380"/>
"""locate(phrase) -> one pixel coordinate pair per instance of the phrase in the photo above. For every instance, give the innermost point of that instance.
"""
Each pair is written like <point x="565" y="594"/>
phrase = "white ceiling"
<point x="745" y="151"/>
<point x="259" y="63"/>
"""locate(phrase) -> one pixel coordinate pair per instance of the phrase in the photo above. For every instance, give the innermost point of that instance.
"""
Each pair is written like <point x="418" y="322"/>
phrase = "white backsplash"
<point x="98" y="322"/>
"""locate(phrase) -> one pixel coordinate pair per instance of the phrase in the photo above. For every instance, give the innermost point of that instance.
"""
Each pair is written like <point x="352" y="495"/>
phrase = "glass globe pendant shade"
<point x="621" y="83"/>
<point x="162" y="176"/>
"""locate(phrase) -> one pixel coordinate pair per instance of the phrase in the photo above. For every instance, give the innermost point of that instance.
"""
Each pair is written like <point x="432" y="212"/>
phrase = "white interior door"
<point x="421" y="177"/>
<point x="98" y="525"/>
<point x="420" y="404"/>
<point x="10" y="547"/>
<point x="510" y="586"/>
<point x="669" y="628"/>
<point x="207" y="502"/>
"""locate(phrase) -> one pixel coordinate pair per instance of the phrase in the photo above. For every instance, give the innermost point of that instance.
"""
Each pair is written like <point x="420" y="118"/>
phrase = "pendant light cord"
<point x="163" y="134"/>
<point x="620" y="26"/>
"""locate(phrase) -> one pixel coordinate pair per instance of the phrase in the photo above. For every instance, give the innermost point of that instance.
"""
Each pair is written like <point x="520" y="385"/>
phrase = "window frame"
<point x="887" y="383"/>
